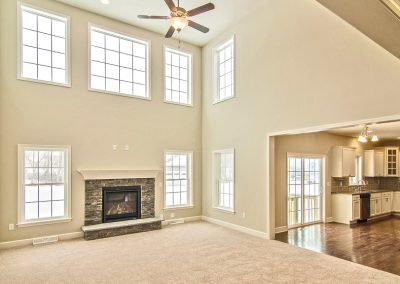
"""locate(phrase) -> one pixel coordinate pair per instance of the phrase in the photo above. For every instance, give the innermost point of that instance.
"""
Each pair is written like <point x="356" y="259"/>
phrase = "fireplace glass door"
<point x="121" y="203"/>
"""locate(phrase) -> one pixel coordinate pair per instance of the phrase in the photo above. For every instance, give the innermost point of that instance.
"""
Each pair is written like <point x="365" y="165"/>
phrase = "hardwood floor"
<point x="376" y="245"/>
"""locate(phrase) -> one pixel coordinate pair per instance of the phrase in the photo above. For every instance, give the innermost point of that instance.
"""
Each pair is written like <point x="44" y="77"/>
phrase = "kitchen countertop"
<point x="367" y="191"/>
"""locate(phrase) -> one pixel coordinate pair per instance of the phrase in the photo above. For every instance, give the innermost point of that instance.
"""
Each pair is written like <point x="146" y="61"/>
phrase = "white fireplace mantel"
<point x="117" y="174"/>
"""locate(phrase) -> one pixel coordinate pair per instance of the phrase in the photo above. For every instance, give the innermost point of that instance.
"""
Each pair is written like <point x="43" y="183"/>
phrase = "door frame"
<point x="323" y="158"/>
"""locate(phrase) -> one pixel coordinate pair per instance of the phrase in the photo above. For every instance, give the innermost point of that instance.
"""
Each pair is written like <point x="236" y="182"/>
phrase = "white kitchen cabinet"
<point x="391" y="161"/>
<point x="376" y="204"/>
<point x="345" y="208"/>
<point x="396" y="202"/>
<point x="343" y="161"/>
<point x="356" y="212"/>
<point x="374" y="162"/>
<point x="387" y="202"/>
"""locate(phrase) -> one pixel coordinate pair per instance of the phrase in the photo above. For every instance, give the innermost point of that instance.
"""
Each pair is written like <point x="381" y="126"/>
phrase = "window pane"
<point x="31" y="158"/>
<point x="44" y="158"/>
<point x="44" y="73"/>
<point x="139" y="90"/>
<point x="58" y="44"/>
<point x="31" y="176"/>
<point x="44" y="57"/>
<point x="31" y="211"/>
<point x="126" y="74"/>
<point x="98" y="83"/>
<point x="57" y="192"/>
<point x="59" y="75"/>
<point x="126" y="88"/>
<point x="139" y="64"/>
<point x="44" y="209"/>
<point x="98" y="69"/>
<point x="44" y="41"/>
<point x="57" y="175"/>
<point x="29" y="54"/>
<point x="31" y="193"/>
<point x="44" y="25"/>
<point x="112" y="43"/>
<point x="44" y="175"/>
<point x="98" y="54"/>
<point x="58" y="208"/>
<point x="139" y="50"/>
<point x="58" y="60"/>
<point x="125" y="46"/>
<point x="58" y="28"/>
<point x="29" y="20"/>
<point x="29" y="37"/>
<point x="112" y="57"/>
<point x="112" y="71"/>
<point x="44" y="192"/>
<point x="112" y="85"/>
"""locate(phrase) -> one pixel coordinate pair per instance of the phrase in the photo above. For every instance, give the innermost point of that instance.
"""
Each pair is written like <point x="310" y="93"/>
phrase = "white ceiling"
<point x="385" y="131"/>
<point x="226" y="13"/>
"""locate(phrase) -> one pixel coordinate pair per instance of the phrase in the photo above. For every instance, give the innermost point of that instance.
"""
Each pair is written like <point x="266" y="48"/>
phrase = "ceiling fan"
<point x="178" y="17"/>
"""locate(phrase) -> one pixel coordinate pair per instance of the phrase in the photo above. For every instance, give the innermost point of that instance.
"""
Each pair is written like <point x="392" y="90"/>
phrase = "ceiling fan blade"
<point x="198" y="26"/>
<point x="201" y="9"/>
<point x="153" y="17"/>
<point x="170" y="5"/>
<point x="170" y="32"/>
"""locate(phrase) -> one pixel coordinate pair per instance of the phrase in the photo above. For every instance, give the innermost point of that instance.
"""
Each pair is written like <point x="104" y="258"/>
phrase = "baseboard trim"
<point x="328" y="220"/>
<point x="236" y="227"/>
<point x="281" y="229"/>
<point x="185" y="219"/>
<point x="27" y="242"/>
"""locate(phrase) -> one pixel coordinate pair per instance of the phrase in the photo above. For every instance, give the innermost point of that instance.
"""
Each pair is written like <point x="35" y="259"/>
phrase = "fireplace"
<point x="121" y="203"/>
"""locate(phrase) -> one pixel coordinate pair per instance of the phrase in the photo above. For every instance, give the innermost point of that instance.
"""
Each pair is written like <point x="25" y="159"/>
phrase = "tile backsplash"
<point x="376" y="183"/>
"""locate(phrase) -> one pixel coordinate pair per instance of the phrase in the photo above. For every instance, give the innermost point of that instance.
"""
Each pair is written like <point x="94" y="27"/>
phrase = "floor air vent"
<point x="45" y="240"/>
<point x="176" y="221"/>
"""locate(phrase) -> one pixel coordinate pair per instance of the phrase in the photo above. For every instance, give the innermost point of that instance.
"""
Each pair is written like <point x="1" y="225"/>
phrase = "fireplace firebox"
<point x="121" y="203"/>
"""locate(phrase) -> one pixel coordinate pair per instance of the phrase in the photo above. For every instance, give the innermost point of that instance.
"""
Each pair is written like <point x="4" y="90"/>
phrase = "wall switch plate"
<point x="11" y="227"/>
<point x="162" y="216"/>
<point x="172" y="215"/>
<point x="244" y="215"/>
<point x="126" y="147"/>
<point x="114" y="147"/>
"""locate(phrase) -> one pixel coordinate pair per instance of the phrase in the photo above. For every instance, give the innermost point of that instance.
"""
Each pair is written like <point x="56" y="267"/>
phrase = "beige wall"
<point x="90" y="122"/>
<point x="298" y="65"/>
<point x="319" y="143"/>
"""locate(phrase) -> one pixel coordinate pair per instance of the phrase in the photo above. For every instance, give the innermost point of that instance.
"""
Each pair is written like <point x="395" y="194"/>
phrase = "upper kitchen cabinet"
<point x="391" y="161"/>
<point x="374" y="163"/>
<point x="343" y="161"/>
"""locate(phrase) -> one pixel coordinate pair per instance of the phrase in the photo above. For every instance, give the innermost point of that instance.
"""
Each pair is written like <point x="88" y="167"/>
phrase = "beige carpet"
<point x="190" y="253"/>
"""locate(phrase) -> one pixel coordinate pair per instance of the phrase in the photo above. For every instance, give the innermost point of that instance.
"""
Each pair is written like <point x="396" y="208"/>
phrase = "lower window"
<point x="178" y="179"/>
<point x="224" y="179"/>
<point x="44" y="183"/>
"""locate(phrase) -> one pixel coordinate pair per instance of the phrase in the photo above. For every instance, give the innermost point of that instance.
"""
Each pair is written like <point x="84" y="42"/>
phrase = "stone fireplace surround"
<point x="95" y="180"/>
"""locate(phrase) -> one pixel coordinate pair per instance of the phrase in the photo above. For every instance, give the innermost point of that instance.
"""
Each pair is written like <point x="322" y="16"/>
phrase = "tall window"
<point x="224" y="179"/>
<point x="225" y="71"/>
<point x="44" y="183"/>
<point x="43" y="46"/>
<point x="178" y="179"/>
<point x="178" y="77"/>
<point x="118" y="64"/>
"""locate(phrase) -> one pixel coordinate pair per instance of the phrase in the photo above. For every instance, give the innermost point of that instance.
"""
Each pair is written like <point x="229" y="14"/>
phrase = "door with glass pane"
<point x="304" y="190"/>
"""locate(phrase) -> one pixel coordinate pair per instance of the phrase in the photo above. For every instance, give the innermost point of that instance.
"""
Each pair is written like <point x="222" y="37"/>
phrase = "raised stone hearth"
<point x="98" y="180"/>
<point x="106" y="230"/>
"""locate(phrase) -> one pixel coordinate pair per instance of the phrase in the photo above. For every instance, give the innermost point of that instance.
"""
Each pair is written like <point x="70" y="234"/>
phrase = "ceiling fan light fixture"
<point x="179" y="23"/>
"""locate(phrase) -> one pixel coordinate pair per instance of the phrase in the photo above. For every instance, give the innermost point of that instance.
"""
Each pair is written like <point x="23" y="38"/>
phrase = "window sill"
<point x="225" y="210"/>
<point x="178" y="104"/>
<point x="120" y="94"/>
<point x="178" y="207"/>
<point x="223" y="100"/>
<point x="66" y="85"/>
<point x="44" y="222"/>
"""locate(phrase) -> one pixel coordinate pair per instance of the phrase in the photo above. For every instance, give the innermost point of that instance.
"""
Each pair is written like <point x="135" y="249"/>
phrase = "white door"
<point x="304" y="190"/>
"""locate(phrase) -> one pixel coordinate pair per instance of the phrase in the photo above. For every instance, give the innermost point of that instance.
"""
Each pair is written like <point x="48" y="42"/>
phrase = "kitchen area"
<point x="337" y="192"/>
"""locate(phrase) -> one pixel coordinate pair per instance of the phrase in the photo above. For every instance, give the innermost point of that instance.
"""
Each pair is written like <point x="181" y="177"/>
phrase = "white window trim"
<point x="190" y="173"/>
<point x="215" y="190"/>
<point x="67" y="43"/>
<point x="190" y="75"/>
<point x="221" y="45"/>
<point x="21" y="198"/>
<point x="129" y="37"/>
